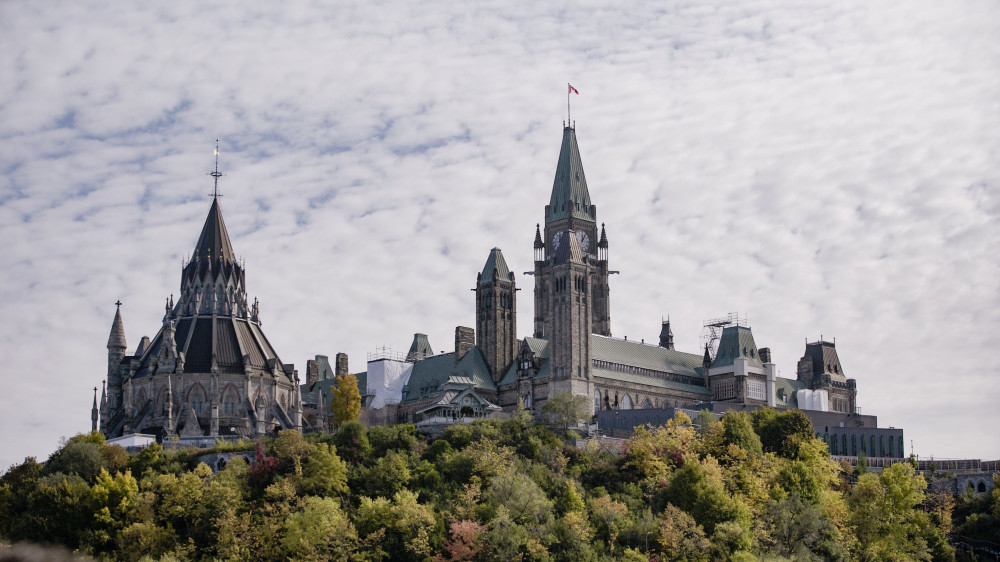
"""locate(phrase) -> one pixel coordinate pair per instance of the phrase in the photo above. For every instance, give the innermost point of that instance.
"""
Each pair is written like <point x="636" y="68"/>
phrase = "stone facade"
<point x="209" y="371"/>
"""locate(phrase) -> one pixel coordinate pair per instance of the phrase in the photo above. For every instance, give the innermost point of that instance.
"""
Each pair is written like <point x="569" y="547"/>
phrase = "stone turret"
<point x="666" y="335"/>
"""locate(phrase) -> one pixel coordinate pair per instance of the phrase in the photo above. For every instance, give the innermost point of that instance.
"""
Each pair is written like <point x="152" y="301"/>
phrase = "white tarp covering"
<point x="818" y="400"/>
<point x="386" y="379"/>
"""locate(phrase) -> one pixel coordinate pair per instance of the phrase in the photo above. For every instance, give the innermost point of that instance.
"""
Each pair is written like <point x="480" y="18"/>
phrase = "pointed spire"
<point x="570" y="197"/>
<point x="538" y="237"/>
<point x="214" y="239"/>
<point x="603" y="243"/>
<point x="495" y="265"/>
<point x="93" y="413"/>
<point x="707" y="360"/>
<point x="117" y="338"/>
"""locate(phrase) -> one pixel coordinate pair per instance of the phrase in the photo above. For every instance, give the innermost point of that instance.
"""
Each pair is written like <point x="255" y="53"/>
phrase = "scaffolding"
<point x="711" y="330"/>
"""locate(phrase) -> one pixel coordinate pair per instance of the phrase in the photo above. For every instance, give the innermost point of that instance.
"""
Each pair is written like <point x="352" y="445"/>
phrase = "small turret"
<point x="666" y="335"/>
<point x="539" y="244"/>
<point x="116" y="341"/>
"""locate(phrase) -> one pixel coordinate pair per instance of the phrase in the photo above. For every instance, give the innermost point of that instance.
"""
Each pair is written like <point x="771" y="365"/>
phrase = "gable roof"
<point x="823" y="355"/>
<point x="540" y="348"/>
<point x="570" y="196"/>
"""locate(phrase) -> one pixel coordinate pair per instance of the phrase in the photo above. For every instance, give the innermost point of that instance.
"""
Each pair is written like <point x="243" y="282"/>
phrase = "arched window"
<point x="981" y="488"/>
<point x="881" y="445"/>
<point x="843" y="442"/>
<point x="646" y="404"/>
<point x="597" y="400"/>
<point x="854" y="445"/>
<point x="196" y="398"/>
<point x="627" y="403"/>
<point x="527" y="401"/>
<point x="871" y="448"/>
<point x="833" y="445"/>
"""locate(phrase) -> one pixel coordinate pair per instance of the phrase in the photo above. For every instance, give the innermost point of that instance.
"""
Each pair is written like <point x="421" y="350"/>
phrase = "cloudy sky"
<point x="826" y="168"/>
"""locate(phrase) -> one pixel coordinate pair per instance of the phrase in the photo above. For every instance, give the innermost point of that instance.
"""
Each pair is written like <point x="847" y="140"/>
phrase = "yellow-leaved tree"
<point x="345" y="404"/>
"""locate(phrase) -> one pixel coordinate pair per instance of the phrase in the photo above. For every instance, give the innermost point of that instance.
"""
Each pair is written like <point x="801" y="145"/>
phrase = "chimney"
<point x="312" y="373"/>
<point x="765" y="354"/>
<point x="465" y="338"/>
<point x="340" y="368"/>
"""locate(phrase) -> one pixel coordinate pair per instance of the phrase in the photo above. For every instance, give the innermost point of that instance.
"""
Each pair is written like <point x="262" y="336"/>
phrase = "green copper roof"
<point x="420" y="348"/>
<point x="540" y="348"/>
<point x="785" y="392"/>
<point x="570" y="196"/>
<point x="736" y="341"/>
<point x="645" y="356"/>
<point x="495" y="264"/>
<point x="430" y="374"/>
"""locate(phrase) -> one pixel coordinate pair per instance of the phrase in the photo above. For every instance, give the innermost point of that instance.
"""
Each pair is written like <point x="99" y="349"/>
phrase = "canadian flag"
<point x="573" y="90"/>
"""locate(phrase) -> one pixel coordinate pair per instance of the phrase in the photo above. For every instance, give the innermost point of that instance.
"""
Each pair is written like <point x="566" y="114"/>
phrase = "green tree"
<point x="566" y="409"/>
<point x="112" y="500"/>
<point x="526" y="503"/>
<point x="738" y="430"/>
<point x="82" y="457"/>
<point x="801" y="530"/>
<point x="681" y="538"/>
<point x="704" y="421"/>
<point x="699" y="489"/>
<point x="409" y="528"/>
<point x="345" y="404"/>
<point x="389" y="475"/>
<point x="885" y="518"/>
<point x="352" y="442"/>
<point x="321" y="531"/>
<point x="781" y="433"/>
<point x="324" y="473"/>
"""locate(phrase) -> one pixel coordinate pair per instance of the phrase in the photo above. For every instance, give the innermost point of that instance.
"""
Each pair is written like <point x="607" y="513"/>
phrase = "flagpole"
<point x="568" y="114"/>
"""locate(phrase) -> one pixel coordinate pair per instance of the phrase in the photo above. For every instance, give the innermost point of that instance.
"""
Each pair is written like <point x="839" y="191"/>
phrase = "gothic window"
<point x="197" y="399"/>
<point x="627" y="403"/>
<point x="854" y="445"/>
<point x="597" y="400"/>
<point x="881" y="445"/>
<point x="833" y="445"/>
<point x="871" y="449"/>
<point x="646" y="404"/>
<point x="844" y="443"/>
<point x="901" y="449"/>
<point x="981" y="488"/>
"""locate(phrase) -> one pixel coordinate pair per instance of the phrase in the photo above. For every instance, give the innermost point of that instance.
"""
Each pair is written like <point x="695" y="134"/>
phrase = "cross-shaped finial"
<point x="118" y="303"/>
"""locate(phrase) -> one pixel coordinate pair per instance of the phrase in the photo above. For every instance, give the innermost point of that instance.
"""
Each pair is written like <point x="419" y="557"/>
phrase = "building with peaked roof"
<point x="572" y="349"/>
<point x="209" y="371"/>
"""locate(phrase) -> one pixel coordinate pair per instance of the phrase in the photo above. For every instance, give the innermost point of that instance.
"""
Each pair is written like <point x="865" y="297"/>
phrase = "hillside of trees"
<point x="748" y="487"/>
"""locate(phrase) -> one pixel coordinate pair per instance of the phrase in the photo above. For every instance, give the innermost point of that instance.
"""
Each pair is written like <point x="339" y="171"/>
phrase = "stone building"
<point x="209" y="370"/>
<point x="572" y="349"/>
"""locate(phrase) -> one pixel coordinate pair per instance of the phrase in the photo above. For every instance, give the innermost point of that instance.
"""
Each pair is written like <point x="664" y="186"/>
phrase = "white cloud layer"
<point x="825" y="168"/>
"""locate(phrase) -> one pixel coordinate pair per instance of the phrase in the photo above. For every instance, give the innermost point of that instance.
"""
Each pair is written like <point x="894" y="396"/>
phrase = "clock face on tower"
<point x="584" y="239"/>
<point x="557" y="240"/>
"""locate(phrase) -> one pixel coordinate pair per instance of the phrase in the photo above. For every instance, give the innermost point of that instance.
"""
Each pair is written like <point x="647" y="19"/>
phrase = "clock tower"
<point x="570" y="212"/>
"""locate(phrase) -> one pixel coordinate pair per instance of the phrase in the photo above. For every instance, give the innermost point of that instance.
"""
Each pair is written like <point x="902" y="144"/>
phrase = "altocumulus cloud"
<point x="824" y="168"/>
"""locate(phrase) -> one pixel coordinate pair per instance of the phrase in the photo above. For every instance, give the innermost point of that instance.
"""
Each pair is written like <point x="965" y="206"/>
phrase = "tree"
<point x="324" y="473"/>
<point x="408" y="527"/>
<point x="566" y="409"/>
<point x="345" y="404"/>
<point x="321" y="531"/>
<point x="525" y="501"/>
<point x="612" y="514"/>
<point x="738" y="430"/>
<point x="681" y="538"/>
<point x="886" y="521"/>
<point x="466" y="542"/>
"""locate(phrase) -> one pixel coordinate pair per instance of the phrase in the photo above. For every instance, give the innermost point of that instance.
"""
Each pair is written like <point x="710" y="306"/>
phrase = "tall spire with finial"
<point x="216" y="174"/>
